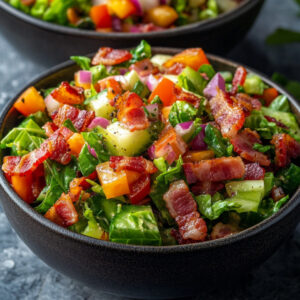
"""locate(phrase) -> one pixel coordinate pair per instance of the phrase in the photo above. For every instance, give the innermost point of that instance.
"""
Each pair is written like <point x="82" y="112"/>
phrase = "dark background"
<point x="24" y="276"/>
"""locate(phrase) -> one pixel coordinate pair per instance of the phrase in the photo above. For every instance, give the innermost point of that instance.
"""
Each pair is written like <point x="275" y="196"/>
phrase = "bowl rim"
<point x="76" y="237"/>
<point x="199" y="26"/>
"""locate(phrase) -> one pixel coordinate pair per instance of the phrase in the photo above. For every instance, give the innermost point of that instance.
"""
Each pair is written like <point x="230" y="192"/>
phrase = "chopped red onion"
<point x="98" y="121"/>
<point x="116" y="24"/>
<point x="151" y="152"/>
<point x="92" y="151"/>
<point x="84" y="76"/>
<point x="185" y="130"/>
<point x="137" y="4"/>
<point x="135" y="29"/>
<point x="51" y="104"/>
<point x="217" y="82"/>
<point x="151" y="82"/>
<point x="153" y="110"/>
<point x="198" y="142"/>
<point x="123" y="71"/>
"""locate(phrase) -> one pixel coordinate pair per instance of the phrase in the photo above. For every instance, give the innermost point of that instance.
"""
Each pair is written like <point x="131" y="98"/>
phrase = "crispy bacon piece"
<point x="228" y="115"/>
<point x="277" y="193"/>
<point x="113" y="87"/>
<point x="144" y="67"/>
<point x="63" y="212"/>
<point x="170" y="145"/>
<point x="68" y="94"/>
<point x="221" y="230"/>
<point x="207" y="187"/>
<point x="247" y="103"/>
<point x="131" y="112"/>
<point x="80" y="118"/>
<point x="286" y="149"/>
<point x="138" y="164"/>
<point x="175" y="69"/>
<point x="9" y="165"/>
<point x="49" y="128"/>
<point x="110" y="57"/>
<point x="181" y="95"/>
<point x="216" y="170"/>
<point x="183" y="208"/>
<point x="243" y="145"/>
<point x="254" y="172"/>
<point x="38" y="181"/>
<point x="140" y="189"/>
<point x="238" y="79"/>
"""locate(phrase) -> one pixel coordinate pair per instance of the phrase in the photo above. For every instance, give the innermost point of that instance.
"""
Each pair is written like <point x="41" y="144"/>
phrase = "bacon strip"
<point x="80" y="118"/>
<point x="131" y="112"/>
<point x="254" y="172"/>
<point x="183" y="208"/>
<point x="144" y="67"/>
<point x="215" y="170"/>
<point x="286" y="149"/>
<point x="110" y="57"/>
<point x="68" y="94"/>
<point x="243" y="145"/>
<point x="247" y="103"/>
<point x="137" y="164"/>
<point x="49" y="128"/>
<point x="191" y="98"/>
<point x="228" y="115"/>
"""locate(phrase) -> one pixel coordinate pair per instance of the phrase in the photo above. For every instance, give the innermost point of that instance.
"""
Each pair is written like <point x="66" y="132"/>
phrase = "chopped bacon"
<point x="110" y="57"/>
<point x="247" y="103"/>
<point x="183" y="208"/>
<point x="221" y="230"/>
<point x="140" y="189"/>
<point x="59" y="148"/>
<point x="137" y="164"/>
<point x="182" y="95"/>
<point x="207" y="187"/>
<point x="170" y="145"/>
<point x="243" y="145"/>
<point x="286" y="149"/>
<point x="9" y="164"/>
<point x="278" y="123"/>
<point x="175" y="69"/>
<point x="80" y="118"/>
<point x="228" y="115"/>
<point x="38" y="181"/>
<point x="192" y="227"/>
<point x="68" y="94"/>
<point x="49" y="128"/>
<point x="277" y="193"/>
<point x="254" y="172"/>
<point x="112" y="86"/>
<point x="216" y="170"/>
<point x="131" y="112"/>
<point x="180" y="240"/>
<point x="238" y="79"/>
<point x="63" y="212"/>
<point x="144" y="67"/>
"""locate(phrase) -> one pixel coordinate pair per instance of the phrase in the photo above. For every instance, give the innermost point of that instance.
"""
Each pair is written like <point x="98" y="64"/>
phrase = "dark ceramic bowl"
<point x="48" y="43"/>
<point x="144" y="271"/>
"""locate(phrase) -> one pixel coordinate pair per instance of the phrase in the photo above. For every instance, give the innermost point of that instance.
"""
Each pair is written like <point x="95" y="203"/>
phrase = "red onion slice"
<point x="198" y="142"/>
<point x="98" y="121"/>
<point x="211" y="89"/>
<point x="84" y="76"/>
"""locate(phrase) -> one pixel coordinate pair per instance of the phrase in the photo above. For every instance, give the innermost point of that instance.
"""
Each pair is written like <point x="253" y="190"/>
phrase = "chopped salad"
<point x="154" y="149"/>
<point x="124" y="15"/>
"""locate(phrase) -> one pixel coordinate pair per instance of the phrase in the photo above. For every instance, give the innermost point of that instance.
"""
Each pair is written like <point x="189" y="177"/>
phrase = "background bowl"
<point x="144" y="271"/>
<point x="47" y="43"/>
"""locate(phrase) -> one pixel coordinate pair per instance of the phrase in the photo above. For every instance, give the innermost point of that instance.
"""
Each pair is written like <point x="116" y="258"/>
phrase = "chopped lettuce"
<point x="86" y="161"/>
<point x="181" y="112"/>
<point x="281" y="103"/>
<point x="142" y="51"/>
<point x="289" y="178"/>
<point x="82" y="61"/>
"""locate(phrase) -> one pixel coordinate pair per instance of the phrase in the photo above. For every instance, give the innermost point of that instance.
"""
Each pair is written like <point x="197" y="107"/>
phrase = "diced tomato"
<point x="238" y="79"/>
<point x="110" y="57"/>
<point x="30" y="102"/>
<point x="68" y="94"/>
<point x="140" y="189"/>
<point x="193" y="57"/>
<point x="165" y="90"/>
<point x="100" y="16"/>
<point x="269" y="95"/>
<point x="76" y="142"/>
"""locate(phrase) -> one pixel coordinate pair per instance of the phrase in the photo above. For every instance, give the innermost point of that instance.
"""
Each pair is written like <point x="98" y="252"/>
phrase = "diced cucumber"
<point x="101" y="106"/>
<point x="132" y="78"/>
<point x="197" y="81"/>
<point x="234" y="187"/>
<point x="254" y="85"/>
<point x="160" y="59"/>
<point x="121" y="141"/>
<point x="269" y="182"/>
<point x="227" y="76"/>
<point x="247" y="205"/>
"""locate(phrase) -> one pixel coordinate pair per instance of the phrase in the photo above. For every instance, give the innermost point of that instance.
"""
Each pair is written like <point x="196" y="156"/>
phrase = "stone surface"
<point x="24" y="276"/>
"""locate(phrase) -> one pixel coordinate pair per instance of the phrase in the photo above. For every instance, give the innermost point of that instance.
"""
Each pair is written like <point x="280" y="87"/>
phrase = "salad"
<point x="124" y="15"/>
<point x="154" y="149"/>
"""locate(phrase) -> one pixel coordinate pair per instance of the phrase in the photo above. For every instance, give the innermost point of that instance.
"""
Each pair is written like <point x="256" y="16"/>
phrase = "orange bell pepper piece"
<point x="114" y="184"/>
<point x="166" y="92"/>
<point x="269" y="95"/>
<point x="30" y="102"/>
<point x="193" y="57"/>
<point x="23" y="187"/>
<point x="76" y="142"/>
<point x="100" y="16"/>
<point x="166" y="111"/>
<point x="195" y="156"/>
<point x="121" y="8"/>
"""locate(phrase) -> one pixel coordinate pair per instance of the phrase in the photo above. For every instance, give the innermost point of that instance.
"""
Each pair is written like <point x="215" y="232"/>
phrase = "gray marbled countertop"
<point x="24" y="276"/>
